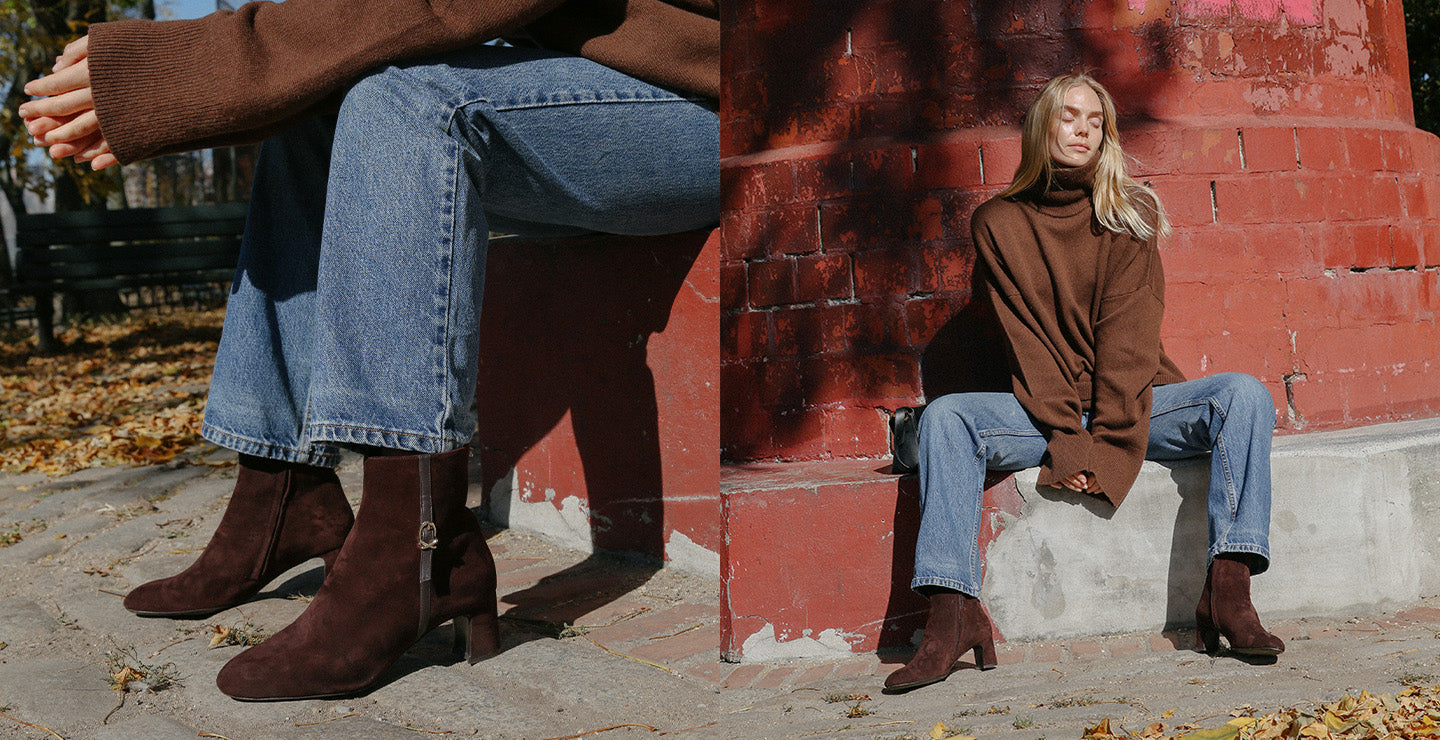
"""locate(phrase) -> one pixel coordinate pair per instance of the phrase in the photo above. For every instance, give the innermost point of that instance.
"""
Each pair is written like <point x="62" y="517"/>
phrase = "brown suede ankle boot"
<point x="280" y="515"/>
<point x="414" y="560"/>
<point x="1225" y="608"/>
<point x="957" y="624"/>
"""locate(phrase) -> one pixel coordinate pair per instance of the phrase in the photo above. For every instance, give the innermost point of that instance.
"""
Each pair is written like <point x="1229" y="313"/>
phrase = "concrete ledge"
<point x="1355" y="528"/>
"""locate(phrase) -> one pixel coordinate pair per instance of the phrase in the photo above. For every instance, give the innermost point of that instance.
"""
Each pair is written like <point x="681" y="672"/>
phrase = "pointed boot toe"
<point x="1225" y="609"/>
<point x="414" y="560"/>
<point x="279" y="516"/>
<point x="957" y="624"/>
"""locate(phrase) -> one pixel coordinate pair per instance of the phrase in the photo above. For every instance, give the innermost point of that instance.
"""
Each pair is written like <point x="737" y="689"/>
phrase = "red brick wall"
<point x="857" y="137"/>
<point x="597" y="389"/>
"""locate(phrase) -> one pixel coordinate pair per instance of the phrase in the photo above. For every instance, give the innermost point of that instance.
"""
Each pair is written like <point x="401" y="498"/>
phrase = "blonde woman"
<point x="1073" y="272"/>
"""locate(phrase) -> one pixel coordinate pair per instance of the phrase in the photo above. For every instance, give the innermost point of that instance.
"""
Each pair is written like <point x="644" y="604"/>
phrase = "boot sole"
<point x="904" y="687"/>
<point x="191" y="614"/>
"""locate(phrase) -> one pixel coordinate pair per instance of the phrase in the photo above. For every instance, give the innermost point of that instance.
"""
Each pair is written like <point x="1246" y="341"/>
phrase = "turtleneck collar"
<point x="1068" y="185"/>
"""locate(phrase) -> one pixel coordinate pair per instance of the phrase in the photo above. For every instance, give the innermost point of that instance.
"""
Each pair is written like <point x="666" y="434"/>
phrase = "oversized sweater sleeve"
<point x="1040" y="380"/>
<point x="1127" y="357"/>
<point x="238" y="76"/>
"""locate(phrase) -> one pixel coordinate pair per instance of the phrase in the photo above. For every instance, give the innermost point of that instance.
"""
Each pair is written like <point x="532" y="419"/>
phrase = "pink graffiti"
<point x="1303" y="12"/>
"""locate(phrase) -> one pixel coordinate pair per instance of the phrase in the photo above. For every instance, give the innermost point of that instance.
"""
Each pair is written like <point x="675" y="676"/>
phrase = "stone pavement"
<point x="589" y="643"/>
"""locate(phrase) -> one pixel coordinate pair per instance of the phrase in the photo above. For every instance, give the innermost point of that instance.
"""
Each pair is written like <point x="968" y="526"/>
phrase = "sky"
<point x="185" y="8"/>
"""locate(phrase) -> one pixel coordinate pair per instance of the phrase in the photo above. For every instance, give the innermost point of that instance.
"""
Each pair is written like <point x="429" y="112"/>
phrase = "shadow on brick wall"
<point x="564" y="331"/>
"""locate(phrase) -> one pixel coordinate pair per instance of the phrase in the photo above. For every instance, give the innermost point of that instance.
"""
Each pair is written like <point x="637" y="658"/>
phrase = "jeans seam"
<point x="227" y="439"/>
<point x="380" y="430"/>
<point x="570" y="103"/>
<point x="447" y="375"/>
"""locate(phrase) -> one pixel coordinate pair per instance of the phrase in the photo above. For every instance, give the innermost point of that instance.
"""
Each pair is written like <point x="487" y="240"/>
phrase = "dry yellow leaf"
<point x="218" y="635"/>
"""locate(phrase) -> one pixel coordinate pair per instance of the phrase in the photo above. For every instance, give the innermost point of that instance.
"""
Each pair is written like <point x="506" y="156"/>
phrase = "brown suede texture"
<point x="957" y="624"/>
<point x="277" y="518"/>
<point x="367" y="613"/>
<point x="1225" y="609"/>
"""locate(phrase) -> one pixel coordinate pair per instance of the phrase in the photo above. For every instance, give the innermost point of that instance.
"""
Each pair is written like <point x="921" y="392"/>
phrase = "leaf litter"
<point x="123" y="392"/>
<point x="1411" y="713"/>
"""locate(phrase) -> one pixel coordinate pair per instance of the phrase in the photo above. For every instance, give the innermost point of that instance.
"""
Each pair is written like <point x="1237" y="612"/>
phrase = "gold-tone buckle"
<point x="429" y="537"/>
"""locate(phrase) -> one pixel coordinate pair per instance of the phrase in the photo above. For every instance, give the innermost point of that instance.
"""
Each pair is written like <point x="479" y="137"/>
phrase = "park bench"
<point x="107" y="250"/>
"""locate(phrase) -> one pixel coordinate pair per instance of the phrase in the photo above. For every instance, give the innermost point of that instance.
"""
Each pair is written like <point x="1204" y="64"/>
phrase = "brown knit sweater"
<point x="1081" y="309"/>
<point x="234" y="77"/>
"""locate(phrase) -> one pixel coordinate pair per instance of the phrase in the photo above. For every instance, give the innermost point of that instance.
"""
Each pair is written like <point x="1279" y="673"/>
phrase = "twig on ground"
<point x="427" y="732"/>
<point x="695" y="626"/>
<point x="118" y="704"/>
<point x="167" y="647"/>
<point x="687" y="729"/>
<point x="27" y="724"/>
<point x="602" y="729"/>
<point x="629" y="657"/>
<point x="323" y="721"/>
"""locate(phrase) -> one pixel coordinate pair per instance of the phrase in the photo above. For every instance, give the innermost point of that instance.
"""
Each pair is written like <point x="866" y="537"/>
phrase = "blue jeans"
<point x="354" y="316"/>
<point x="1230" y="415"/>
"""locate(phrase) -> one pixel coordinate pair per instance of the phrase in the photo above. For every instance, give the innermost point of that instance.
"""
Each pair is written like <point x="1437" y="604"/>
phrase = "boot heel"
<point x="477" y="637"/>
<point x="1207" y="639"/>
<point x="985" y="655"/>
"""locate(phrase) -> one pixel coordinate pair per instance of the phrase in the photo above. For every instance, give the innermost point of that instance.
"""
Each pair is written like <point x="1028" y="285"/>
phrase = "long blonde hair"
<point x="1122" y="203"/>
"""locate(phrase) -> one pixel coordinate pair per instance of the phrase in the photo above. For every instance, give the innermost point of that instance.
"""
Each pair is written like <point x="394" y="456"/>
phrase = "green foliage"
<point x="1422" y="31"/>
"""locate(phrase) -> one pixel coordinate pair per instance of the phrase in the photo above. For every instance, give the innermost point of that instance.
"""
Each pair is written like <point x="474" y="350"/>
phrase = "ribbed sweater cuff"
<point x="132" y="65"/>
<point x="1068" y="453"/>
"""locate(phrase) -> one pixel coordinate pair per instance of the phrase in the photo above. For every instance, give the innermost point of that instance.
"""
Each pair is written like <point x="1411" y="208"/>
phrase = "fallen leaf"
<point x="218" y="636"/>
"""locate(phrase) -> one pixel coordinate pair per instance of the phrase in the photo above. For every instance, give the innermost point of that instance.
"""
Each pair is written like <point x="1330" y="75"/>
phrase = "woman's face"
<point x="1076" y="132"/>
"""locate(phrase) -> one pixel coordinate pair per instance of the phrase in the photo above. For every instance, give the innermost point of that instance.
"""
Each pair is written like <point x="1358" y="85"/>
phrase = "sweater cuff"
<point x="137" y="125"/>
<point x="1068" y="453"/>
<point x="1116" y="468"/>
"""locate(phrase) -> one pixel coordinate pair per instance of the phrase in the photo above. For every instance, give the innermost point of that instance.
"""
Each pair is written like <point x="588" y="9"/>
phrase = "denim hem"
<point x="949" y="583"/>
<point x="392" y="439"/>
<point x="312" y="456"/>
<point x="1260" y="550"/>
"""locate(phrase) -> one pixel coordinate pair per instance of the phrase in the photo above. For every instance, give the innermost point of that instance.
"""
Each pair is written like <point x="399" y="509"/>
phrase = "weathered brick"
<point x="1321" y="148"/>
<point x="1364" y="149"/>
<point x="1001" y="157"/>
<point x="882" y="272"/>
<point x="814" y="675"/>
<point x="732" y="286"/>
<point x="1247" y="199"/>
<point x="1210" y="151"/>
<point x="1186" y="200"/>
<point x="1165" y="642"/>
<point x="1270" y="149"/>
<point x="855" y="431"/>
<point x="771" y="283"/>
<point x="823" y="276"/>
<point x="953" y="164"/>
<point x="746" y="334"/>
<point x="742" y="676"/>
<point x="1405" y="246"/>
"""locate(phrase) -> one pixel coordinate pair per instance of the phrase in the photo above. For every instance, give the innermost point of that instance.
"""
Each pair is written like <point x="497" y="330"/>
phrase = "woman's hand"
<point x="64" y="118"/>
<point x="1083" y="482"/>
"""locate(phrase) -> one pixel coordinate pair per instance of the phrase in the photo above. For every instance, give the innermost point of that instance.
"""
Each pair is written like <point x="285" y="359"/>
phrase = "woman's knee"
<point x="1247" y="394"/>
<point x="947" y="417"/>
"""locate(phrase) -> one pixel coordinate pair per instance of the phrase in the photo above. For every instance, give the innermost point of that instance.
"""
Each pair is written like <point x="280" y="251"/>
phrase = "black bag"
<point x="905" y="440"/>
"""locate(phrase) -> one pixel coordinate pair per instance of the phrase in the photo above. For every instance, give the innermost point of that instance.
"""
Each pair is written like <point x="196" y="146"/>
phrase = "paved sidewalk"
<point x="589" y="643"/>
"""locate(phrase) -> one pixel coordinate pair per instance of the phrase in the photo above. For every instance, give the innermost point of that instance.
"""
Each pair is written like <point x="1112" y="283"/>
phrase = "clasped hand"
<point x="64" y="119"/>
<point x="1082" y="483"/>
